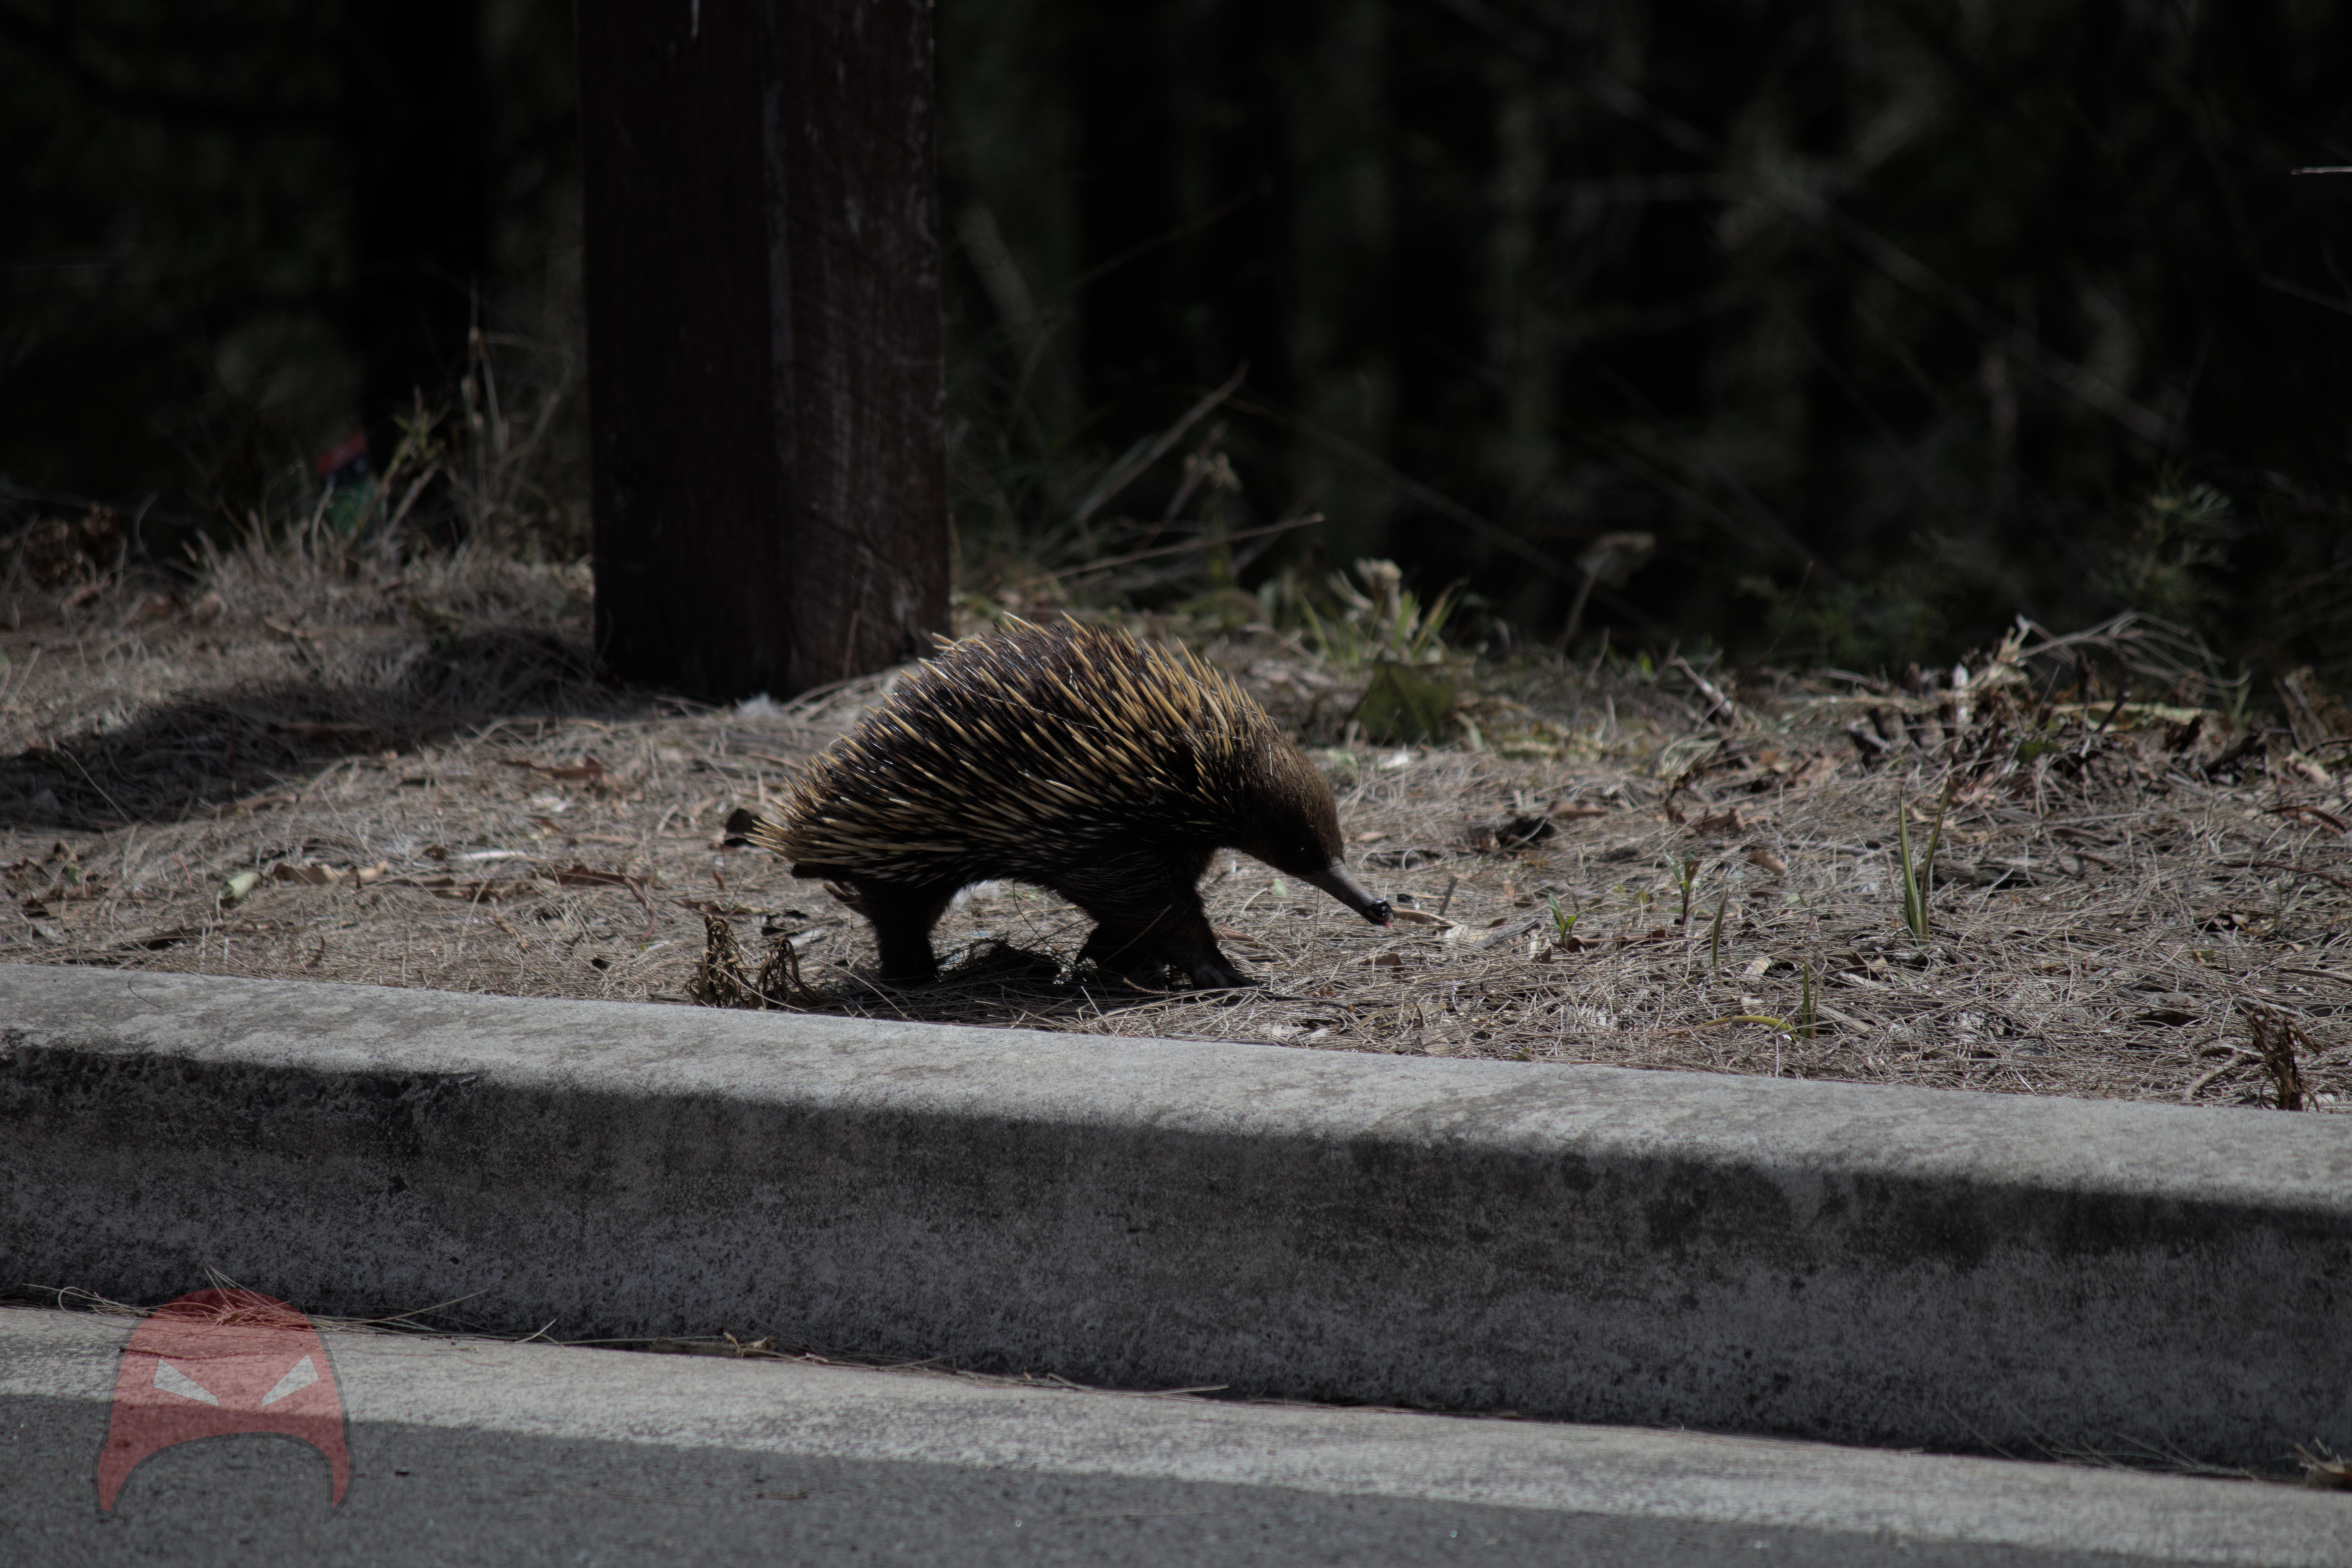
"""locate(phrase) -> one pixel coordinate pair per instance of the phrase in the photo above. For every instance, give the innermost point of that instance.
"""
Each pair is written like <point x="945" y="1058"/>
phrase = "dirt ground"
<point x="314" y="768"/>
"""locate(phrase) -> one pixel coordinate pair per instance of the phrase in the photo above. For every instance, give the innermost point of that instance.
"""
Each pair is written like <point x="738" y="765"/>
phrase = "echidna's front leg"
<point x="903" y="914"/>
<point x="1148" y="914"/>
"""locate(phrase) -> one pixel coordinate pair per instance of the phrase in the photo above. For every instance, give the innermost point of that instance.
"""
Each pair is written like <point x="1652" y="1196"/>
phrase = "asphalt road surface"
<point x="471" y="1451"/>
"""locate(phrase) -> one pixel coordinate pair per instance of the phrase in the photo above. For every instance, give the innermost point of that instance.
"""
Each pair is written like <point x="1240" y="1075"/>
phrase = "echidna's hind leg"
<point x="1147" y="915"/>
<point x="903" y="914"/>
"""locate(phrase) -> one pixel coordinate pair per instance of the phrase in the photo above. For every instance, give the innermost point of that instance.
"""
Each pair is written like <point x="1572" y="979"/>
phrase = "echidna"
<point x="1074" y="758"/>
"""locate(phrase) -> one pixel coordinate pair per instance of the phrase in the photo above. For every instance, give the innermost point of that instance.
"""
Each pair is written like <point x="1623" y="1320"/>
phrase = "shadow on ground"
<point x="208" y="749"/>
<point x="989" y="984"/>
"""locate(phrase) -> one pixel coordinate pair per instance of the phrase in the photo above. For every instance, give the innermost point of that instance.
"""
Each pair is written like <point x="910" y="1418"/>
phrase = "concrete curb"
<point x="1867" y="1265"/>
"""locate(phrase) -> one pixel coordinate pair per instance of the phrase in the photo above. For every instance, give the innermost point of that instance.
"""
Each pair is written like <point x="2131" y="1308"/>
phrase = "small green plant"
<point x="1377" y="618"/>
<point x="2172" y="565"/>
<point x="1562" y="924"/>
<point x="2237" y="692"/>
<point x="1689" y="875"/>
<point x="1918" y="877"/>
<point x="1715" y="942"/>
<point x="1404" y="705"/>
<point x="1804" y="1027"/>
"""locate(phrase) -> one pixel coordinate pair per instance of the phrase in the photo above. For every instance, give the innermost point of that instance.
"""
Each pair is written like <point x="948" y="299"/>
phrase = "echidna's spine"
<point x="1029" y="747"/>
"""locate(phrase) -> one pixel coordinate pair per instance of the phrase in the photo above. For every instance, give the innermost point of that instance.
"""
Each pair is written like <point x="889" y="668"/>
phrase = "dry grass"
<point x="313" y="767"/>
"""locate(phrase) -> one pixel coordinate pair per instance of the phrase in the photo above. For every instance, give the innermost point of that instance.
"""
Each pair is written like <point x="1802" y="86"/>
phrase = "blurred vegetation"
<point x="242" y="231"/>
<point x="1879" y="322"/>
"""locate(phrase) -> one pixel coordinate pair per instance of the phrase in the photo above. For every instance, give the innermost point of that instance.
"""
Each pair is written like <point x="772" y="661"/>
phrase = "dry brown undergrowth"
<point x="409" y="776"/>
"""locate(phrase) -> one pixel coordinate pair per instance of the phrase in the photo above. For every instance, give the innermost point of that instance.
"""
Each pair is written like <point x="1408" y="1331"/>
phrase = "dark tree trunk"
<point x="764" y="357"/>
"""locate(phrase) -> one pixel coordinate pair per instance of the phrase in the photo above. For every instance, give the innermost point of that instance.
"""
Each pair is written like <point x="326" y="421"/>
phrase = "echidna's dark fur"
<point x="1074" y="758"/>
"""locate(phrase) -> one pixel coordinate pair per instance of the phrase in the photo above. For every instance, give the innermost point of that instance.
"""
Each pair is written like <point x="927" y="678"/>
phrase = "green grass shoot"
<point x="1918" y="876"/>
<point x="1561" y="924"/>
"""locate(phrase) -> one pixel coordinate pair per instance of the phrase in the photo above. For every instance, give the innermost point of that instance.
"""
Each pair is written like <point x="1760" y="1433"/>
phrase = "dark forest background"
<point x="1889" y="320"/>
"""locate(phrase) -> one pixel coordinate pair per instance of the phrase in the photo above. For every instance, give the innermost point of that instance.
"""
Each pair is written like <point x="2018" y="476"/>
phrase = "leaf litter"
<point x="1681" y="866"/>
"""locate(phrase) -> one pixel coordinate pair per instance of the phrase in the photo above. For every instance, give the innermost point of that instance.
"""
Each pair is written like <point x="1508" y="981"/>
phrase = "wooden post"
<point x="764" y="359"/>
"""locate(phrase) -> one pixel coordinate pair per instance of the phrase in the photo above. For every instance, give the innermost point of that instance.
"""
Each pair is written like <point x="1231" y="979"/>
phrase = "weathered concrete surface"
<point x="468" y="1451"/>
<point x="1861" y="1264"/>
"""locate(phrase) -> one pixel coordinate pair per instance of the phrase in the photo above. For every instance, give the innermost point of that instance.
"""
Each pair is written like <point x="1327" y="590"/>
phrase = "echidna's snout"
<point x="1334" y="880"/>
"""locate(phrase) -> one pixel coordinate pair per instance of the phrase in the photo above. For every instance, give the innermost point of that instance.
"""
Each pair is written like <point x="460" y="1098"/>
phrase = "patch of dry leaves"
<point x="412" y="779"/>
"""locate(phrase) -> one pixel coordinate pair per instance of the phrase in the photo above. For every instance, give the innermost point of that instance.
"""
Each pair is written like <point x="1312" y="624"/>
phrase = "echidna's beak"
<point x="1334" y="880"/>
